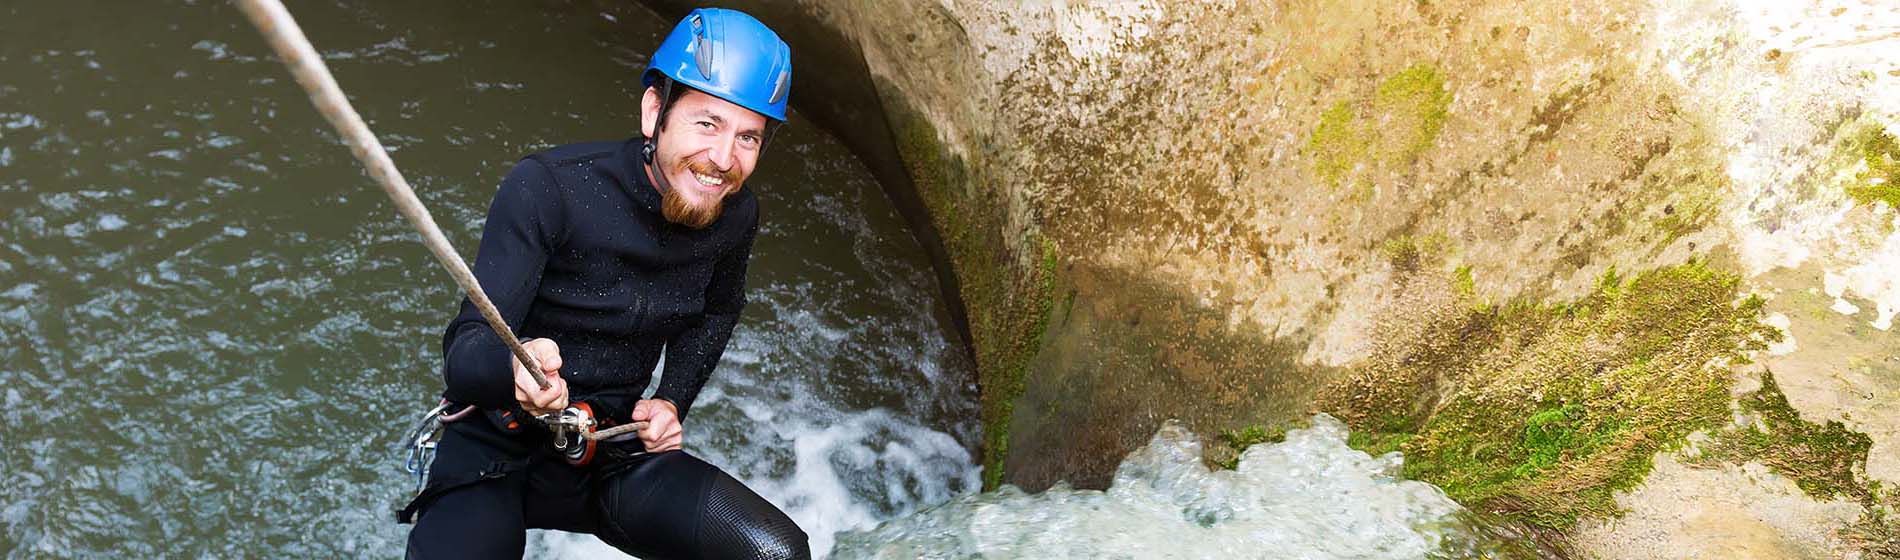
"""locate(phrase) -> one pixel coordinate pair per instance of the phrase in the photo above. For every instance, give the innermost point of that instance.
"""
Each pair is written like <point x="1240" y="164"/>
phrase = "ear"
<point x="649" y="112"/>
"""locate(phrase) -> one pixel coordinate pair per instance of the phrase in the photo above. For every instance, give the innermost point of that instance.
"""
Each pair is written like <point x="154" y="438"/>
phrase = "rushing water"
<point x="214" y="323"/>
<point x="1310" y="496"/>
<point x="215" y="326"/>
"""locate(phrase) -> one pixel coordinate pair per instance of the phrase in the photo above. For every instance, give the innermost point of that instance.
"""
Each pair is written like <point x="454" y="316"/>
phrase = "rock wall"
<point x="1232" y="213"/>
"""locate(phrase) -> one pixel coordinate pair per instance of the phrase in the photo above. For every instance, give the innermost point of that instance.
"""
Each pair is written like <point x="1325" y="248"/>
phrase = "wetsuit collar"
<point x="637" y="184"/>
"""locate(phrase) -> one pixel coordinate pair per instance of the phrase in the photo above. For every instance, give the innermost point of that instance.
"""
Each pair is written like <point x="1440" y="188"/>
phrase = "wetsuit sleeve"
<point x="692" y="354"/>
<point x="524" y="224"/>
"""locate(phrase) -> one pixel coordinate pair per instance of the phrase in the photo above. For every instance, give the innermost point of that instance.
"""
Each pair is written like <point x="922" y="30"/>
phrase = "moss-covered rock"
<point x="1399" y="121"/>
<point x="1008" y="303"/>
<point x="1236" y="441"/>
<point x="1410" y="108"/>
<point x="1541" y="410"/>
<point x="1337" y="143"/>
<point x="1823" y="459"/>
<point x="1881" y="180"/>
<point x="1826" y="460"/>
<point x="1150" y="221"/>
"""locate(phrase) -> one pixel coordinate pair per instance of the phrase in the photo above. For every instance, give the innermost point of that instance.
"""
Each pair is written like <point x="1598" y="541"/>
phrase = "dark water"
<point x="211" y="323"/>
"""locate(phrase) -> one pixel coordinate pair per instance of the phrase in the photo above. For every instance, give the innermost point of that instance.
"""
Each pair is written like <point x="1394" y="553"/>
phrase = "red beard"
<point x="677" y="209"/>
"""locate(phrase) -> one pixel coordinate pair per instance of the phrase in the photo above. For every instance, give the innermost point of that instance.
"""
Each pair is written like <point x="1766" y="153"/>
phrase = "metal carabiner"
<point x="421" y="440"/>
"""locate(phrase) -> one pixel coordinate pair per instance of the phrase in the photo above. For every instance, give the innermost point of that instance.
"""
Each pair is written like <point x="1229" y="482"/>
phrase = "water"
<point x="215" y="324"/>
<point x="1310" y="496"/>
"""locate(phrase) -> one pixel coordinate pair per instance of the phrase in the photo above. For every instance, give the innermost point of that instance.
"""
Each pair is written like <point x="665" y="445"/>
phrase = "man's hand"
<point x="663" y="431"/>
<point x="532" y="397"/>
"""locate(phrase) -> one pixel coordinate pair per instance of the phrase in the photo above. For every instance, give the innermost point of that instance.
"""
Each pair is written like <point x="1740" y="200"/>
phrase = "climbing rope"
<point x="278" y="28"/>
<point x="609" y="433"/>
<point x="274" y="21"/>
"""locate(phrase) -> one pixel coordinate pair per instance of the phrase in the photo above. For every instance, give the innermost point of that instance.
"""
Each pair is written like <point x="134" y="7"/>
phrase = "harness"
<point x="577" y="434"/>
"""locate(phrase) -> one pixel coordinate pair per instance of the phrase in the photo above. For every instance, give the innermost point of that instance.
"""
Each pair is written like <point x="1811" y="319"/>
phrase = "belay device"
<point x="572" y="428"/>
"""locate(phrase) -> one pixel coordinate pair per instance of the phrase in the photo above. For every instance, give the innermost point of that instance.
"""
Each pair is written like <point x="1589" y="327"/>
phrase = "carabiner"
<point x="421" y="441"/>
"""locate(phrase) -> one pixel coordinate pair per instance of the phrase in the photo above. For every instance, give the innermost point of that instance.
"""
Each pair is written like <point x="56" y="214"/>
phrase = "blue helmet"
<point x="729" y="55"/>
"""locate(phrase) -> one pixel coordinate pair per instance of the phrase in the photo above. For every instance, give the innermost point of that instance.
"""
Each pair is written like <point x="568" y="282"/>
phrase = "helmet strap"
<point x="652" y="144"/>
<point x="771" y="129"/>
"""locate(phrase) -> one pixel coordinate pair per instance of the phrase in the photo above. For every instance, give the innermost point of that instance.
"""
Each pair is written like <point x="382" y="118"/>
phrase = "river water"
<point x="215" y="324"/>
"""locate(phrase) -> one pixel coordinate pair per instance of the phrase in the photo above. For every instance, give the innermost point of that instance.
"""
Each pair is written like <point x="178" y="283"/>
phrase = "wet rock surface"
<point x="1203" y="210"/>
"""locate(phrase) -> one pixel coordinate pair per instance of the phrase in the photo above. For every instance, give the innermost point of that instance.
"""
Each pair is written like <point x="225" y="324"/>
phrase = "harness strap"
<point x="495" y="470"/>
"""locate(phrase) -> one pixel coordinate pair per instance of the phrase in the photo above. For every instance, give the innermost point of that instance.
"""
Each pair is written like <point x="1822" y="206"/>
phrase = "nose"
<point x="722" y="153"/>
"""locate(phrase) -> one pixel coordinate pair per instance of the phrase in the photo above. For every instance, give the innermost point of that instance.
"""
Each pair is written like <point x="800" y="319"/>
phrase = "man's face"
<point x="707" y="149"/>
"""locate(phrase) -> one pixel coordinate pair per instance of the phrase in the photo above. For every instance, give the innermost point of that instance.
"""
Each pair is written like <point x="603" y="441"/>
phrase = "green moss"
<point x="1337" y="145"/>
<point x="1408" y="253"/>
<point x="1238" y="441"/>
<point x="1881" y="181"/>
<point x="1463" y="281"/>
<point x="1003" y="387"/>
<point x="1008" y="304"/>
<point x="1878" y="531"/>
<point x="1377" y="443"/>
<point x="1560" y="431"/>
<point x="1826" y="460"/>
<point x="1541" y="410"/>
<point x="1823" y="459"/>
<point x="1389" y="433"/>
<point x="1412" y="105"/>
<point x="1698" y="207"/>
<point x="1003" y="359"/>
<point x="1405" y="116"/>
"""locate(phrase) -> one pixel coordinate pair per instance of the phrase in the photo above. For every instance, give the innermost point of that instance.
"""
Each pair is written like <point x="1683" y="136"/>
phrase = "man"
<point x="603" y="257"/>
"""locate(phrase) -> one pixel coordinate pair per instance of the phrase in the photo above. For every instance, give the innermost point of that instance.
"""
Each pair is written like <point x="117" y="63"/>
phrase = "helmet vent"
<point x="703" y="50"/>
<point x="779" y="88"/>
<point x="729" y="55"/>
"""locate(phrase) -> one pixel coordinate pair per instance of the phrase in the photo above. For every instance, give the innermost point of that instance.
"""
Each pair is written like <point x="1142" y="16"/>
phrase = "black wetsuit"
<point x="575" y="250"/>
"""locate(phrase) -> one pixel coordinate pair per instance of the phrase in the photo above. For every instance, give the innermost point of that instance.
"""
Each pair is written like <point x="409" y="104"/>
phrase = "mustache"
<point x="730" y="177"/>
<point x="676" y="209"/>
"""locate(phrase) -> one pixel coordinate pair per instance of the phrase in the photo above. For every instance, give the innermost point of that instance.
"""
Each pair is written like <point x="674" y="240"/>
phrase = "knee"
<point x="744" y="525"/>
<point x="731" y="522"/>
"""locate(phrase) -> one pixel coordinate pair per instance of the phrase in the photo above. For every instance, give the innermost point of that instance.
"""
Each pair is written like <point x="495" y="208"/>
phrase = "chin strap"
<point x="652" y="144"/>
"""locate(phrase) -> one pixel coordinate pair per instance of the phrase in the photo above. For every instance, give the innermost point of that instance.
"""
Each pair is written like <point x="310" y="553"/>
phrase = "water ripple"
<point x="220" y="322"/>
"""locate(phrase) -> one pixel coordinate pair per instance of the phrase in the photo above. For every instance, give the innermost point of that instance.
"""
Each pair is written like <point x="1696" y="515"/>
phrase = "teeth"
<point x="709" y="180"/>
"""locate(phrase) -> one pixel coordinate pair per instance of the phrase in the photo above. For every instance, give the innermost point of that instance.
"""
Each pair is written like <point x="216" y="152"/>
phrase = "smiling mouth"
<point x="709" y="180"/>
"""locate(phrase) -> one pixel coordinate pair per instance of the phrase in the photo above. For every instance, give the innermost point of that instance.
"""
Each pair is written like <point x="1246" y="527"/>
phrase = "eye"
<point x="749" y="139"/>
<point x="704" y="125"/>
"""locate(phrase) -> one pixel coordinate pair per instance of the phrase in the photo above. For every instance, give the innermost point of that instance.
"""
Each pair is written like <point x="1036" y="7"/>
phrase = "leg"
<point x="478" y="513"/>
<point x="476" y="521"/>
<point x="673" y="505"/>
<point x="558" y="497"/>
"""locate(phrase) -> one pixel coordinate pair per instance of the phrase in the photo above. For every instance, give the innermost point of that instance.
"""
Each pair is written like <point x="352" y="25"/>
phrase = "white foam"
<point x="846" y="475"/>
<point x="1310" y="496"/>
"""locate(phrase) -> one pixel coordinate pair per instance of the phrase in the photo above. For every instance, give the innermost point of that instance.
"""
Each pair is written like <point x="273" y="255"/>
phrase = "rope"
<point x="274" y="21"/>
<point x="598" y="435"/>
